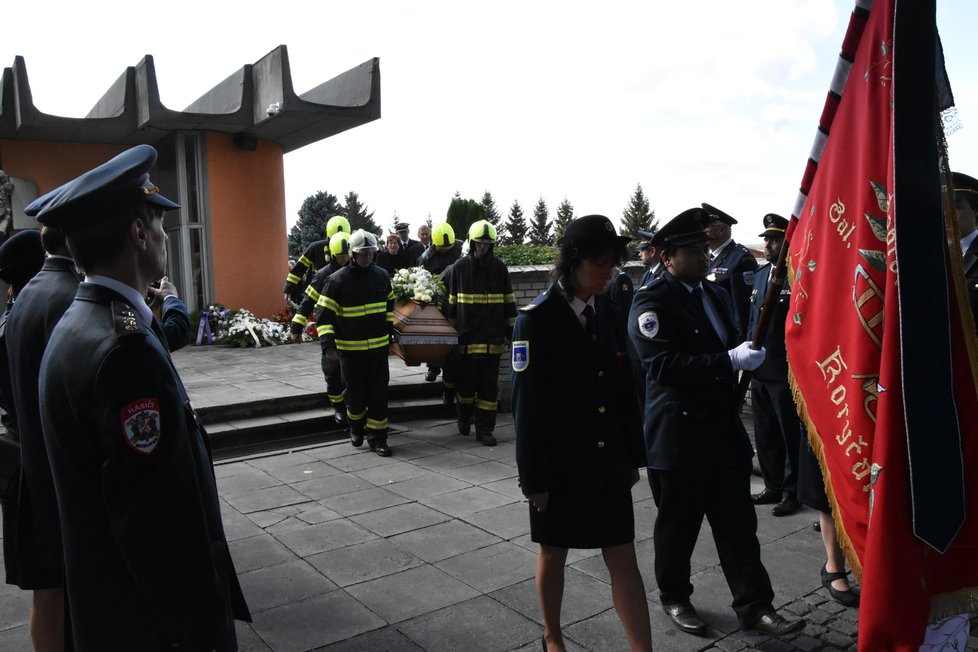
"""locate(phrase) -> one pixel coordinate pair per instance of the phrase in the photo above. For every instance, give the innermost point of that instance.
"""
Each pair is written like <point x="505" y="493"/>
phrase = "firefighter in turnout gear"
<point x="312" y="260"/>
<point x="355" y="323"/>
<point x="482" y="308"/>
<point x="339" y="254"/>
<point x="442" y="253"/>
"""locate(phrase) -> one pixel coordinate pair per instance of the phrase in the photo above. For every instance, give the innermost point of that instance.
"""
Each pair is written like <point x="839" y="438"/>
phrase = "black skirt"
<point x="811" y="489"/>
<point x="591" y="508"/>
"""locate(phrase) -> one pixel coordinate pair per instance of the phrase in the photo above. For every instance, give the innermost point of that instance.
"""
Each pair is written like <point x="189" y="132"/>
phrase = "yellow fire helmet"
<point x="482" y="231"/>
<point x="443" y="235"/>
<point x="339" y="243"/>
<point x="337" y="224"/>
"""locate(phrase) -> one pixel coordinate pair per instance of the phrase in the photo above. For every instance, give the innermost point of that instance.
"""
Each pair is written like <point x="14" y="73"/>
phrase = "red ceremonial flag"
<point x="882" y="356"/>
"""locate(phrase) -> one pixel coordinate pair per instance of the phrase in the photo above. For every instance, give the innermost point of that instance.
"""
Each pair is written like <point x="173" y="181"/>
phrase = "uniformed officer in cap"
<point x="578" y="431"/>
<point x="147" y="565"/>
<point x="966" y="203"/>
<point x="699" y="455"/>
<point x="777" y="429"/>
<point x="413" y="247"/>
<point x="731" y="265"/>
<point x="649" y="256"/>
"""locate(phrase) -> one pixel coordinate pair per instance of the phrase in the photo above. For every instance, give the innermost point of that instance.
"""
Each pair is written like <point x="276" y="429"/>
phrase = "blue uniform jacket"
<point x="775" y="366"/>
<point x="147" y="564"/>
<point x="733" y="271"/>
<point x="691" y="406"/>
<point x="573" y="402"/>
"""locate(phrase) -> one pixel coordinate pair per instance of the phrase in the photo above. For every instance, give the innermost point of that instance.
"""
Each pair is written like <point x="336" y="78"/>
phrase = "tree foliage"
<point x="565" y="213"/>
<point x="525" y="254"/>
<point x="356" y="212"/>
<point x="638" y="215"/>
<point x="516" y="227"/>
<point x="311" y="225"/>
<point x="462" y="213"/>
<point x="540" y="224"/>
<point x="489" y="204"/>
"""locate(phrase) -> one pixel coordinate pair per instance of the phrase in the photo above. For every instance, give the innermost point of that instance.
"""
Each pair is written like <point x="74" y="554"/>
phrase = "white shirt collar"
<point x="967" y="240"/>
<point x="143" y="314"/>
<point x="716" y="252"/>
<point x="578" y="306"/>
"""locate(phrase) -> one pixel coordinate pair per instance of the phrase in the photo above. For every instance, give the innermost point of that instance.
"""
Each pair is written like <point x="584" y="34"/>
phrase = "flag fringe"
<point x="816" y="445"/>
<point x="951" y="604"/>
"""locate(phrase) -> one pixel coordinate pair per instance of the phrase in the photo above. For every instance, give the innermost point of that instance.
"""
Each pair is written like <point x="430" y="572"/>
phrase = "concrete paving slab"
<point x="444" y="540"/>
<point x="506" y="522"/>
<point x="315" y="623"/>
<point x="477" y="624"/>
<point x="268" y="498"/>
<point x="331" y="486"/>
<point x="363" y="562"/>
<point x="304" y="471"/>
<point x="399" y="519"/>
<point x="360" y="502"/>
<point x="411" y="593"/>
<point x="484" y="472"/>
<point x="492" y="568"/>
<point x="466" y="501"/>
<point x="390" y="473"/>
<point x="260" y="551"/>
<point x="388" y="638"/>
<point x="431" y="483"/>
<point x="312" y="539"/>
<point x="584" y="597"/>
<point x="289" y="582"/>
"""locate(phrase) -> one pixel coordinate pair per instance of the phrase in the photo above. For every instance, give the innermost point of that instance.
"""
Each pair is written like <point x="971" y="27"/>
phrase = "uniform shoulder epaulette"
<point x="657" y="281"/>
<point x="536" y="302"/>
<point x="124" y="318"/>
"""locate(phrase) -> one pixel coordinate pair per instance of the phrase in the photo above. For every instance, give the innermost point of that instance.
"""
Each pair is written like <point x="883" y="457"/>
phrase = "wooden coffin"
<point x="423" y="334"/>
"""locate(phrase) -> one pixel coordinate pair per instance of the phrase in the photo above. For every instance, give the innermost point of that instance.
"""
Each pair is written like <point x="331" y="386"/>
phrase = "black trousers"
<point x="334" y="384"/>
<point x="777" y="433"/>
<point x="367" y="374"/>
<point x="722" y="495"/>
<point x="477" y="389"/>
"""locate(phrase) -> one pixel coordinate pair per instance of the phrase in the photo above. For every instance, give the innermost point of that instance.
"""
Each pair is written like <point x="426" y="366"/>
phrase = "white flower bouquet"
<point x="416" y="283"/>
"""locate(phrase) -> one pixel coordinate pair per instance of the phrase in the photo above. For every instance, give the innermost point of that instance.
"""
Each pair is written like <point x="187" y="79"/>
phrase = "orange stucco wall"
<point x="49" y="164"/>
<point x="249" y="246"/>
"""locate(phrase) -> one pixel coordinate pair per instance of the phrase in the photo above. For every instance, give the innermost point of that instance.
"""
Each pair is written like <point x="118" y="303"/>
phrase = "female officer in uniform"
<point x="578" y="430"/>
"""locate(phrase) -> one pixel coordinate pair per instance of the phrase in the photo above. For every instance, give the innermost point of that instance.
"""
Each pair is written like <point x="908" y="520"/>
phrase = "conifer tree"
<point x="516" y="227"/>
<point x="565" y="213"/>
<point x="311" y="225"/>
<point x="357" y="214"/>
<point x="489" y="204"/>
<point x="540" y="224"/>
<point x="638" y="215"/>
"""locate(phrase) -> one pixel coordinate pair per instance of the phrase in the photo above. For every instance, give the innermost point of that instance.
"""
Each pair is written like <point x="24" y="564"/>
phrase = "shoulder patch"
<point x="141" y="425"/>
<point x="648" y="324"/>
<point x="521" y="355"/>
<point x="749" y="278"/>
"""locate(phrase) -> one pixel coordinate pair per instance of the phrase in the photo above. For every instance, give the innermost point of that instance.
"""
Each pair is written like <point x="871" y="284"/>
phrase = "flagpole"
<point x="774" y="286"/>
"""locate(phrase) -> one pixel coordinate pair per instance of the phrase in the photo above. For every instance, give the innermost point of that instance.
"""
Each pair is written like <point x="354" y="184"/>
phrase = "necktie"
<point x="589" y="326"/>
<point x="696" y="298"/>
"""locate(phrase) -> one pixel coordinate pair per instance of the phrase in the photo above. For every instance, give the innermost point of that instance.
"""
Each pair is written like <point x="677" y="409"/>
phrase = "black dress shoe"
<point x="381" y="448"/>
<point x="684" y="617"/>
<point x="356" y="438"/>
<point x="774" y="624"/>
<point x="848" y="598"/>
<point x="786" y="507"/>
<point x="766" y="497"/>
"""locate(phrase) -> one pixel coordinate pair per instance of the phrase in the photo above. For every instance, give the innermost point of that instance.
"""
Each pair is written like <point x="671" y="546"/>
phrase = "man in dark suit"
<point x="966" y="203"/>
<point x="649" y="256"/>
<point x="699" y="456"/>
<point x="777" y="429"/>
<point x="147" y="566"/>
<point x="40" y="564"/>
<point x="413" y="248"/>
<point x="731" y="265"/>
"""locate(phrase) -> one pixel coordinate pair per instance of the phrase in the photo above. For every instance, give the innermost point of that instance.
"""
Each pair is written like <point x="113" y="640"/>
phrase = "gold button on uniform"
<point x="600" y="444"/>
<point x="600" y="374"/>
<point x="601" y="410"/>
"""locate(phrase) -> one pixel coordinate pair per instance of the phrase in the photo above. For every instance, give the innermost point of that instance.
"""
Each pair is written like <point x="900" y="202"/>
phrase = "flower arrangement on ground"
<point x="416" y="283"/>
<point x="241" y="328"/>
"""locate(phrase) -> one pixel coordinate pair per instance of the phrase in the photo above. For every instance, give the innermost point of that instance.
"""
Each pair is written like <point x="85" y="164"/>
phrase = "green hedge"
<point x="526" y="254"/>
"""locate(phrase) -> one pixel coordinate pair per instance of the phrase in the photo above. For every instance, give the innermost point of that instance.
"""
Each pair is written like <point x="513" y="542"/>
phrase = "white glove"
<point x="744" y="357"/>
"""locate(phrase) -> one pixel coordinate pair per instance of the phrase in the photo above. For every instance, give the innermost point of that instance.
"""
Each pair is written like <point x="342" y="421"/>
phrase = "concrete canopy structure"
<point x="220" y="158"/>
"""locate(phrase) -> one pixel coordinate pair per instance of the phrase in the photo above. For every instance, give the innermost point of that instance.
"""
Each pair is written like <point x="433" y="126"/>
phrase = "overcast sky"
<point x="712" y="101"/>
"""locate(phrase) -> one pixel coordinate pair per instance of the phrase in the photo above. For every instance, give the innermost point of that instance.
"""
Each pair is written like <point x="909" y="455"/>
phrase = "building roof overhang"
<point x="257" y="101"/>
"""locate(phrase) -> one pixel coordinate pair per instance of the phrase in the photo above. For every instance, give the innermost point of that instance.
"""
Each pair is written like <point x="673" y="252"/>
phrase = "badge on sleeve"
<point x="141" y="425"/>
<point x="648" y="324"/>
<point x="748" y="278"/>
<point x="521" y="355"/>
